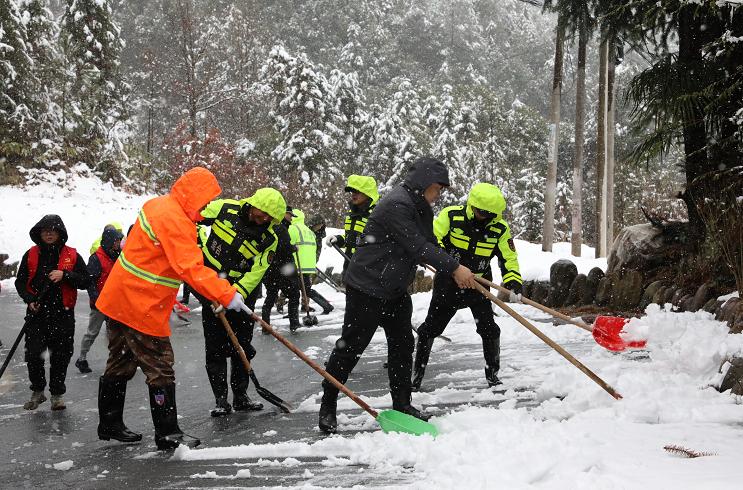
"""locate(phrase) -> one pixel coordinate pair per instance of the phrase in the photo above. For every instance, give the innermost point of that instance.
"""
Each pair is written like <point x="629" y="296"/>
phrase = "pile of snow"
<point x="577" y="436"/>
<point x="64" y="465"/>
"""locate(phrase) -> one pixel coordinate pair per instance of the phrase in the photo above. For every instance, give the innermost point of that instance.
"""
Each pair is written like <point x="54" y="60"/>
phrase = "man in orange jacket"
<point x="160" y="252"/>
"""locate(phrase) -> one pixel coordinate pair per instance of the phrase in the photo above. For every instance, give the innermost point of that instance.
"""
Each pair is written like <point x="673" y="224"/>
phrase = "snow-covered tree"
<point x="17" y="83"/>
<point x="94" y="101"/>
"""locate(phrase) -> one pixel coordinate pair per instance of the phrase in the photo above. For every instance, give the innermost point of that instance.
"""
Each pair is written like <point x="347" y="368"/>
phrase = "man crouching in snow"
<point x="160" y="252"/>
<point x="48" y="279"/>
<point x="399" y="236"/>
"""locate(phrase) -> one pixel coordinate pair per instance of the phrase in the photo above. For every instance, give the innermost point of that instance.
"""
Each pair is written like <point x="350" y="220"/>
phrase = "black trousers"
<point x="52" y="329"/>
<point x="219" y="348"/>
<point x="314" y="295"/>
<point x="446" y="299"/>
<point x="363" y="315"/>
<point x="274" y="283"/>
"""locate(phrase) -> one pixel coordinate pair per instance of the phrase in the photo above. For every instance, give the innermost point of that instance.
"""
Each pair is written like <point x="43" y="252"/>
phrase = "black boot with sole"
<point x="168" y="435"/>
<point x="111" y="397"/>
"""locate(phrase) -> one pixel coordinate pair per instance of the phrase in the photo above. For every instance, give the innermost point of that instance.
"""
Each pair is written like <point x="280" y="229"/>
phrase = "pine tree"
<point x="350" y="118"/>
<point x="307" y="133"/>
<point x="444" y="135"/>
<point x="94" y="101"/>
<point x="17" y="84"/>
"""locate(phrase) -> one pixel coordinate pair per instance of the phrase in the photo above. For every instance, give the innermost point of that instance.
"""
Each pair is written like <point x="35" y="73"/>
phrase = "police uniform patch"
<point x="270" y="257"/>
<point x="511" y="245"/>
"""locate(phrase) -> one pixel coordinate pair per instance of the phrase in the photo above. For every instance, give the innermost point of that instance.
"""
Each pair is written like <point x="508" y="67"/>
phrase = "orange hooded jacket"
<point x="160" y="252"/>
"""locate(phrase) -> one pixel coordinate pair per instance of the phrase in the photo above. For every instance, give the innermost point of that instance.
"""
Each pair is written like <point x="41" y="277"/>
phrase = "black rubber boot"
<point x="111" y="397"/>
<point x="320" y="300"/>
<point x="401" y="403"/>
<point x="491" y="375"/>
<point x="328" y="422"/>
<point x="491" y="353"/>
<point x="168" y="435"/>
<point x="221" y="408"/>
<point x="243" y="403"/>
<point x="422" y="353"/>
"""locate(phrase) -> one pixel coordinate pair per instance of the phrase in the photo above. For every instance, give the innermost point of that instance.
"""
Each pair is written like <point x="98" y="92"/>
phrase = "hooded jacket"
<point x="32" y="282"/>
<point x="399" y="236"/>
<point x="358" y="216"/>
<point x="237" y="246"/>
<point x="160" y="252"/>
<point x="101" y="263"/>
<point x="304" y="240"/>
<point x="475" y="243"/>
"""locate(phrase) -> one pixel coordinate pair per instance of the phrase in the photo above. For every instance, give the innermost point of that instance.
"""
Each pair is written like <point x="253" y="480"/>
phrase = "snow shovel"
<point x="606" y="330"/>
<point x="389" y="420"/>
<point x="327" y="280"/>
<point x="263" y="392"/>
<point x="575" y="362"/>
<point x="308" y="320"/>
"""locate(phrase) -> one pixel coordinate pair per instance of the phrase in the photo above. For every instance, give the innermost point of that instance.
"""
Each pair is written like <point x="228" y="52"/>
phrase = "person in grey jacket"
<point x="398" y="236"/>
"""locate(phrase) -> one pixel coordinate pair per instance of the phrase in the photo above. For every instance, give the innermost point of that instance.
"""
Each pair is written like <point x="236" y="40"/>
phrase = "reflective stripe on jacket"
<point x="475" y="244"/>
<point x="304" y="239"/>
<point x="160" y="252"/>
<point x="241" y="250"/>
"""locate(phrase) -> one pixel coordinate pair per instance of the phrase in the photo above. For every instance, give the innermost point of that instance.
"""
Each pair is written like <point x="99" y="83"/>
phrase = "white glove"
<point x="238" y="304"/>
<point x="332" y="240"/>
<point x="514" y="297"/>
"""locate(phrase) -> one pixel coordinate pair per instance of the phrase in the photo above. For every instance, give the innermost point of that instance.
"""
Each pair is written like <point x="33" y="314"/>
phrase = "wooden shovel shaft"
<point x="350" y="394"/>
<point x="545" y="309"/>
<point x="575" y="362"/>
<point x="233" y="339"/>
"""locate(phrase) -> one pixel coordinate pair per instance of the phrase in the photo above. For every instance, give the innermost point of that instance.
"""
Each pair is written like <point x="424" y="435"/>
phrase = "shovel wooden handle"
<point x="529" y="302"/>
<point x="350" y="394"/>
<point x="575" y="362"/>
<point x="233" y="338"/>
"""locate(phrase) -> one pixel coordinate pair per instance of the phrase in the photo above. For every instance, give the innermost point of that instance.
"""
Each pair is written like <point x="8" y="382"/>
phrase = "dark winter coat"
<point x="49" y="261"/>
<point x="94" y="264"/>
<point x="282" y="258"/>
<point x="399" y="236"/>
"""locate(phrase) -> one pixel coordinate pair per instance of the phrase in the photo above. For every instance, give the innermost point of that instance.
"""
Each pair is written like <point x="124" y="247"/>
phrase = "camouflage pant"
<point x="129" y="349"/>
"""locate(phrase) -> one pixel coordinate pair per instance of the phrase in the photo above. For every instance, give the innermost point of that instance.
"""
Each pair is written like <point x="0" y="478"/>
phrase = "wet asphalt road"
<point x="34" y="441"/>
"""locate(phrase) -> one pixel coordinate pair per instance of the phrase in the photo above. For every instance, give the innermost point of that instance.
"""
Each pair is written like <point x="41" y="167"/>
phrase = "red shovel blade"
<point x="607" y="330"/>
<point x="181" y="307"/>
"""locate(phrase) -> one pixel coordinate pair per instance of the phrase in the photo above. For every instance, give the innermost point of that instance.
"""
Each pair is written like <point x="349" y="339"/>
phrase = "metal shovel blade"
<point x="271" y="398"/>
<point x="607" y="333"/>
<point x="310" y="320"/>
<point x="394" y="421"/>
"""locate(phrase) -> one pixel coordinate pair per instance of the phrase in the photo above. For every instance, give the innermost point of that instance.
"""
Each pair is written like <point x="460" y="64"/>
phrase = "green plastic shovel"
<point x="389" y="420"/>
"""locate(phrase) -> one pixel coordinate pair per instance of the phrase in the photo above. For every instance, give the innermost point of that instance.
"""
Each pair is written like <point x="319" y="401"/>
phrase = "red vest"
<point x="107" y="263"/>
<point x="67" y="259"/>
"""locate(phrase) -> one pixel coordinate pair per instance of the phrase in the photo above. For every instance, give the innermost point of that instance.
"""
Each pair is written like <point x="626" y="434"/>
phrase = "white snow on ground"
<point x="85" y="205"/>
<point x="571" y="435"/>
<point x="576" y="435"/>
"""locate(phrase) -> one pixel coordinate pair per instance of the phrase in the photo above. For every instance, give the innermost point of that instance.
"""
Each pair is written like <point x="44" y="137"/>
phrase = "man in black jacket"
<point x="48" y="279"/>
<point x="398" y="237"/>
<point x="282" y="275"/>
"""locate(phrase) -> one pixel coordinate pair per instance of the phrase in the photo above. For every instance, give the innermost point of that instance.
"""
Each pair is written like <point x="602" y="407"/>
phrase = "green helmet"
<point x="364" y="184"/>
<point x="488" y="198"/>
<point x="269" y="201"/>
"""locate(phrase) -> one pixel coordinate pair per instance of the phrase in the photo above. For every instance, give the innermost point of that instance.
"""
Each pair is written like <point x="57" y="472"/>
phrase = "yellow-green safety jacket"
<point x="473" y="243"/>
<point x="356" y="219"/>
<point x="303" y="238"/>
<point x="240" y="249"/>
